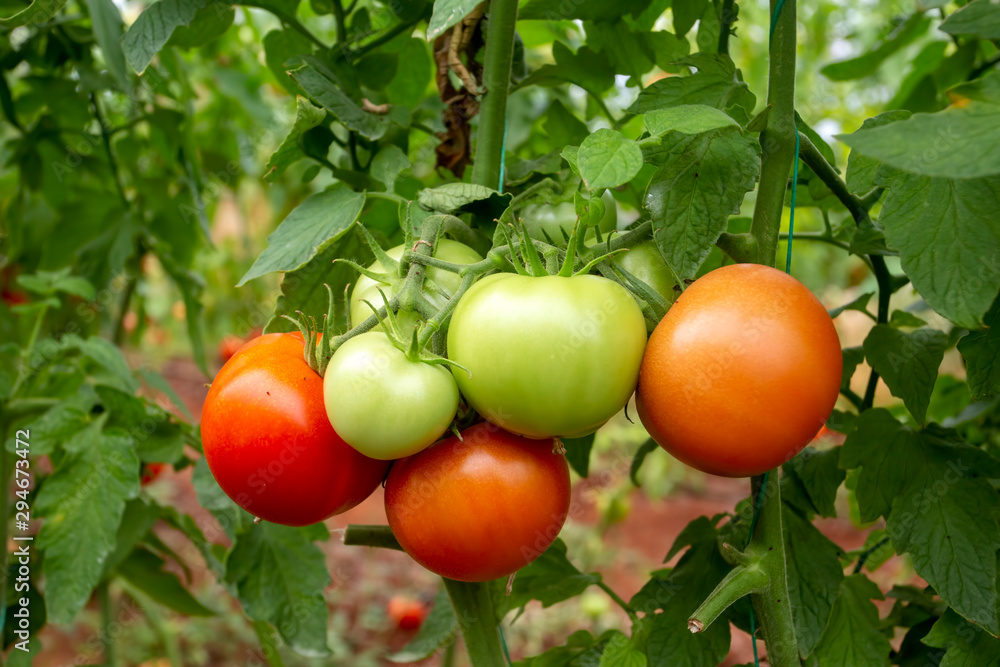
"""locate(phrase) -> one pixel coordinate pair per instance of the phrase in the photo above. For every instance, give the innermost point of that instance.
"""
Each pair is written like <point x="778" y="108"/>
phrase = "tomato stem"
<point x="476" y="618"/>
<point x="617" y="599"/>
<point x="371" y="536"/>
<point x="741" y="581"/>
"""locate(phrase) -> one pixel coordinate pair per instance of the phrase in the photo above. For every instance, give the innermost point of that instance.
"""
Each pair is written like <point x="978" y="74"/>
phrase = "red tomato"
<point x="741" y="373"/>
<point x="14" y="297"/>
<point x="269" y="443"/>
<point x="479" y="508"/>
<point x="151" y="471"/>
<point x="406" y="613"/>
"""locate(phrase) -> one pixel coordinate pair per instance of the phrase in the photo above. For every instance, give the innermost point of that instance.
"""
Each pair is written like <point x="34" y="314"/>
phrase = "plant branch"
<point x="371" y="536"/>
<point x="726" y="19"/>
<point x="106" y="138"/>
<point x="347" y="53"/>
<point x="338" y="12"/>
<point x="777" y="141"/>
<point x="496" y="79"/>
<point x="619" y="601"/>
<point x="478" y="622"/>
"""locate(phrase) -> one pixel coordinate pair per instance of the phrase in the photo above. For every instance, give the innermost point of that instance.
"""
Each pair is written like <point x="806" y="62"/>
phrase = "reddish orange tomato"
<point x="406" y="613"/>
<point x="151" y="471"/>
<point x="741" y="373"/>
<point x="268" y="441"/>
<point x="478" y="508"/>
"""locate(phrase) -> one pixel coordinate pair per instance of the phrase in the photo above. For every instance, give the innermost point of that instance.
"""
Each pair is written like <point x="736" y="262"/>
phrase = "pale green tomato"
<point x="367" y="289"/>
<point x="645" y="262"/>
<point x="381" y="403"/>
<point x="549" y="356"/>
<point x="540" y="220"/>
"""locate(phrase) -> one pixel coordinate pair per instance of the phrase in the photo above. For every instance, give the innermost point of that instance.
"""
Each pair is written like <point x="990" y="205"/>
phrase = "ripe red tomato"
<point x="269" y="443"/>
<point x="478" y="508"/>
<point x="406" y="613"/>
<point x="741" y="373"/>
<point x="151" y="471"/>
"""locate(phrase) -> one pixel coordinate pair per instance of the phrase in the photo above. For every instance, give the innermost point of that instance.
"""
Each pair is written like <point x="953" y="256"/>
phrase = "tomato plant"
<point x="269" y="443"/>
<point x="479" y="507"/>
<point x="547" y="356"/>
<point x="741" y="373"/>
<point x="369" y="373"/>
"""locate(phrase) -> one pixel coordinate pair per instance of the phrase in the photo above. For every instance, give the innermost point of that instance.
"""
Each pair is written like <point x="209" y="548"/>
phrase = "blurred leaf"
<point x="280" y="577"/>
<point x="852" y="636"/>
<point x="686" y="13"/>
<point x="592" y="10"/>
<point x="282" y="49"/>
<point x="980" y="18"/>
<point x="144" y="570"/>
<point x="586" y="68"/>
<point x="981" y="351"/>
<point x="563" y="128"/>
<point x="902" y="318"/>
<point x="38" y="11"/>
<point x="640" y="456"/>
<point x="959" y="279"/>
<point x="387" y="165"/>
<point x="291" y="149"/>
<point x="209" y="24"/>
<point x="82" y="502"/>
<point x="667" y="49"/>
<point x="413" y="74"/>
<point x="446" y="14"/>
<point x="578" y="453"/>
<point x="233" y="519"/>
<point x="108" y="26"/>
<point x="700" y="183"/>
<point x="859" y="304"/>
<point x="320" y="220"/>
<point x="907" y="362"/>
<point x="157" y="382"/>
<point x="868" y="63"/>
<point x="107" y="356"/>
<point x="439" y="629"/>
<point x="932" y="489"/>
<point x="627" y="50"/>
<point x="861" y="169"/>
<point x="607" y="159"/>
<point x="153" y="28"/>
<point x="47" y="283"/>
<point x="191" y="286"/>
<point x="550" y="578"/>
<point x="331" y="96"/>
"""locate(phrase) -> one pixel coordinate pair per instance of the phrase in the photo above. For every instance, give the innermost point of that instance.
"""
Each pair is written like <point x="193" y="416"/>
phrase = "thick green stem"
<point x="496" y="78"/>
<point x="777" y="141"/>
<point x="474" y="611"/>
<point x="740" y="582"/>
<point x="107" y="617"/>
<point x="371" y="536"/>
<point x="727" y="17"/>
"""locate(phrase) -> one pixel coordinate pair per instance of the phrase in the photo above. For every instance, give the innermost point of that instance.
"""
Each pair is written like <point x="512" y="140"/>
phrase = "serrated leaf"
<point x="550" y="578"/>
<point x="144" y="570"/>
<point x="621" y="651"/>
<point x="331" y="96"/>
<point x="315" y="224"/>
<point x="852" y="636"/>
<point x="861" y="169"/>
<point x="280" y="577"/>
<point x="58" y="424"/>
<point x="151" y="433"/>
<point x="446" y="14"/>
<point x="869" y="62"/>
<point x="933" y="489"/>
<point x="107" y="357"/>
<point x="82" y="503"/>
<point x="981" y="351"/>
<point x="607" y="159"/>
<point x="980" y="18"/>
<point x="291" y="149"/>
<point x="388" y="164"/>
<point x="439" y="629"/>
<point x="715" y="84"/>
<point x="907" y="362"/>
<point x="947" y="239"/>
<point x="697" y="187"/>
<point x="967" y="644"/>
<point x="820" y="477"/>
<point x="465" y="197"/>
<point x="686" y="119"/>
<point x="153" y="28"/>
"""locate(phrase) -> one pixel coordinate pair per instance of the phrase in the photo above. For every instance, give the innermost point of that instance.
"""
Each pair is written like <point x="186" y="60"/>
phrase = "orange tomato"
<point x="268" y="441"/>
<point x="478" y="508"/>
<point x="741" y="373"/>
<point x="406" y="613"/>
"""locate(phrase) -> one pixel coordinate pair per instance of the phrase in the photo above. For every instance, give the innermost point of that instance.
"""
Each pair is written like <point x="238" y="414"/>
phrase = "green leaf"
<point x="932" y="489"/>
<point x="640" y="456"/>
<point x="157" y="382"/>
<point x="47" y="283"/>
<point x="820" y="476"/>
<point x="968" y="645"/>
<point x="957" y="219"/>
<point x="587" y="10"/>
<point x="550" y="578"/>
<point x="852" y="636"/>
<point x="717" y="84"/>
<point x="697" y="187"/>
<point x="137" y="519"/>
<point x="208" y="25"/>
<point x="907" y="362"/>
<point x="151" y="433"/>
<point x="586" y="68"/>
<point x="860" y="305"/>
<point x="413" y="74"/>
<point x="667" y="49"/>
<point x="59" y="423"/>
<point x="233" y="519"/>
<point x="446" y="14"/>
<point x="191" y="285"/>
<point x="946" y="144"/>
<point x="108" y="357"/>
<point x="686" y="119"/>
<point x="291" y="149"/>
<point x="309" y="229"/>
<point x="37" y="12"/>
<point x="282" y="50"/>
<point x="869" y="62"/>
<point x="686" y="13"/>
<point x="331" y="96"/>
<point x="439" y="629"/>
<point x="82" y="503"/>
<point x="388" y="164"/>
<point x="980" y="18"/>
<point x="578" y="453"/>
<point x="622" y="652"/>
<point x="902" y="318"/>
<point x="456" y="198"/>
<point x="981" y="351"/>
<point x="144" y="570"/>
<point x="280" y="576"/>
<point x="154" y="27"/>
<point x="861" y="169"/>
<point x="813" y="576"/>
<point x="108" y="26"/>
<point x="626" y="50"/>
<point x="607" y="159"/>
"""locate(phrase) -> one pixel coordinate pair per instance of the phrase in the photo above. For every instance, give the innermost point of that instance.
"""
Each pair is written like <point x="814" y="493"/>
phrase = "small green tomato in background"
<point x="553" y="221"/>
<point x="383" y="404"/>
<point x="645" y="262"/>
<point x="437" y="280"/>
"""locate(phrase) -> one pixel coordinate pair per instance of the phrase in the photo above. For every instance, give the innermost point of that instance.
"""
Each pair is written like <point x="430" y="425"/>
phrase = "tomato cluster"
<point x="735" y="379"/>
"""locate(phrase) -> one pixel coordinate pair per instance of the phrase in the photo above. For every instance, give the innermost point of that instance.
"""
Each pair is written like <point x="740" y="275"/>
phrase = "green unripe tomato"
<point x="381" y="403"/>
<point x="540" y="220"/>
<point x="549" y="356"/>
<point x="645" y="262"/>
<point x="367" y="289"/>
